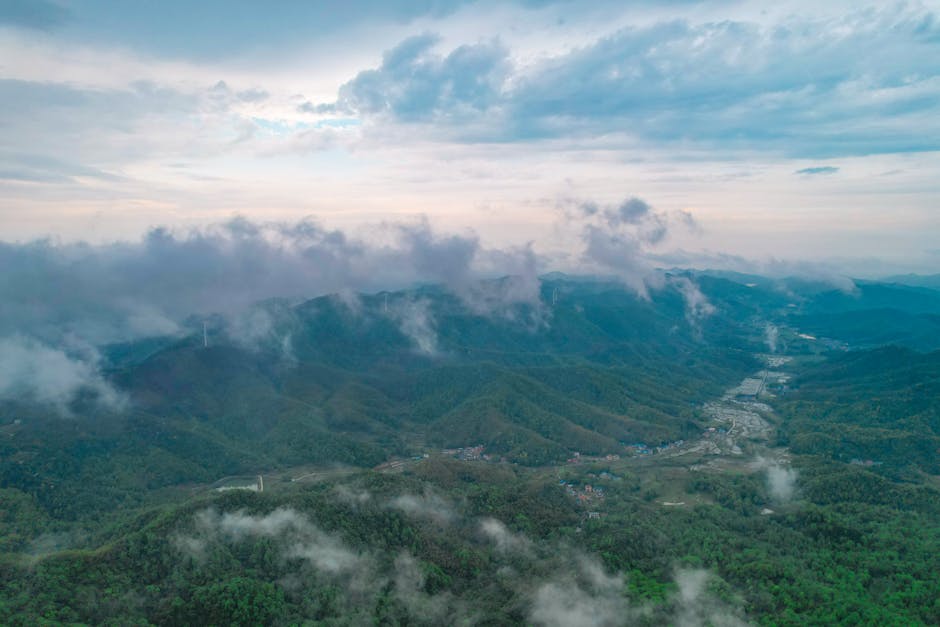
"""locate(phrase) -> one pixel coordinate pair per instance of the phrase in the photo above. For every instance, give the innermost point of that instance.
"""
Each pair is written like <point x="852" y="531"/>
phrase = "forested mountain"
<point x="428" y="458"/>
<point x="327" y="381"/>
<point x="880" y="408"/>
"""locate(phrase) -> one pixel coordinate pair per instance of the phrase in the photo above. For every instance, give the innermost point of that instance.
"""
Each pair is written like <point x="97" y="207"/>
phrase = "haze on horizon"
<point x="801" y="133"/>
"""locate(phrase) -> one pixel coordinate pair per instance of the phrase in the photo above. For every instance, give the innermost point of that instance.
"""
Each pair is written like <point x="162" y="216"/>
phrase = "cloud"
<point x="826" y="272"/>
<point x="116" y="291"/>
<point x="863" y="83"/>
<point x="359" y="574"/>
<point x="588" y="597"/>
<point x="141" y="120"/>
<point x="505" y="540"/>
<point x="442" y="259"/>
<point x="429" y="506"/>
<point x="416" y="322"/>
<point x="32" y="370"/>
<point x="123" y="290"/>
<point x="301" y="538"/>
<point x="424" y="608"/>
<point x="817" y="170"/>
<point x="697" y="306"/>
<point x="250" y="273"/>
<point x="696" y="607"/>
<point x="253" y="95"/>
<point x="218" y="30"/>
<point x="620" y="239"/>
<point x="781" y="480"/>
<point x="457" y="262"/>
<point x="15" y="166"/>
<point x="561" y="587"/>
<point x="771" y="336"/>
<point x="414" y="83"/>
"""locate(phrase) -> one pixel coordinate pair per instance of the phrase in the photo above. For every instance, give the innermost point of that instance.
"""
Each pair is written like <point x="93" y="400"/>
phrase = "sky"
<point x="779" y="134"/>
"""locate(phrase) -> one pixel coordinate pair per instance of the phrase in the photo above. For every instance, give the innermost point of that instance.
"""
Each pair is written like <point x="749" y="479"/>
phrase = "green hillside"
<point x="112" y="517"/>
<point x="880" y="406"/>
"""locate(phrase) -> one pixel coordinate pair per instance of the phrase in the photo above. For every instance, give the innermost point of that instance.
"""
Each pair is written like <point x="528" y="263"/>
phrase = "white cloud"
<point x="588" y="597"/>
<point x="505" y="540"/>
<point x="32" y="370"/>
<point x="428" y="505"/>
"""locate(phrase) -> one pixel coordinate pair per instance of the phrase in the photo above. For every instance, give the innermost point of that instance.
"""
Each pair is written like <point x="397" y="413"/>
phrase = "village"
<point x="738" y="424"/>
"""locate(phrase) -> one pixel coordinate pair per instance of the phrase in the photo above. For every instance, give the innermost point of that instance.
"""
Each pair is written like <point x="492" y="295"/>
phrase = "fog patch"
<point x="555" y="585"/>
<point x="585" y="597"/>
<point x="516" y="295"/>
<point x="781" y="481"/>
<point x="264" y="327"/>
<point x="505" y="540"/>
<point x="697" y="305"/>
<point x="362" y="576"/>
<point x="425" y="608"/>
<point x="428" y="506"/>
<point x="298" y="535"/>
<point x="148" y="321"/>
<point x="352" y="496"/>
<point x="416" y="322"/>
<point x="771" y="336"/>
<point x="695" y="606"/>
<point x="350" y="300"/>
<point x="30" y="369"/>
<point x="190" y="546"/>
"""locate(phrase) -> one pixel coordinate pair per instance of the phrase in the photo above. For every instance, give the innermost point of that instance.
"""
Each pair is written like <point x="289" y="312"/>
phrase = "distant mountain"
<point x="871" y="314"/>
<point x="359" y="381"/>
<point x="109" y="517"/>
<point x="931" y="281"/>
<point x="584" y="367"/>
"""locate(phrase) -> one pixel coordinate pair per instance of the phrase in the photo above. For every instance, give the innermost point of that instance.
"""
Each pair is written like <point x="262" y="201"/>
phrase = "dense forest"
<point x="597" y="495"/>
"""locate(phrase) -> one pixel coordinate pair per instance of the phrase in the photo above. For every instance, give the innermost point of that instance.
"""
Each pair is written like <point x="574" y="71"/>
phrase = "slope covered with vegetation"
<point x="109" y="517"/>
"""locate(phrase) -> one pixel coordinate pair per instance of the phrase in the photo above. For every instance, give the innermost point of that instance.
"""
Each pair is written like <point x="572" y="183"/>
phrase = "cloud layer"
<point x="69" y="296"/>
<point x="790" y="121"/>
<point x="809" y="86"/>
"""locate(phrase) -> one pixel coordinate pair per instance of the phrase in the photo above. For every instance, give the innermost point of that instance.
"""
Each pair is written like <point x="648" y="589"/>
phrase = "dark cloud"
<point x="817" y="170"/>
<point x="631" y="211"/>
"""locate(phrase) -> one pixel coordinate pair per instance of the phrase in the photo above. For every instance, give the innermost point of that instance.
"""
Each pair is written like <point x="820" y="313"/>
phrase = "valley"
<point x="617" y="452"/>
